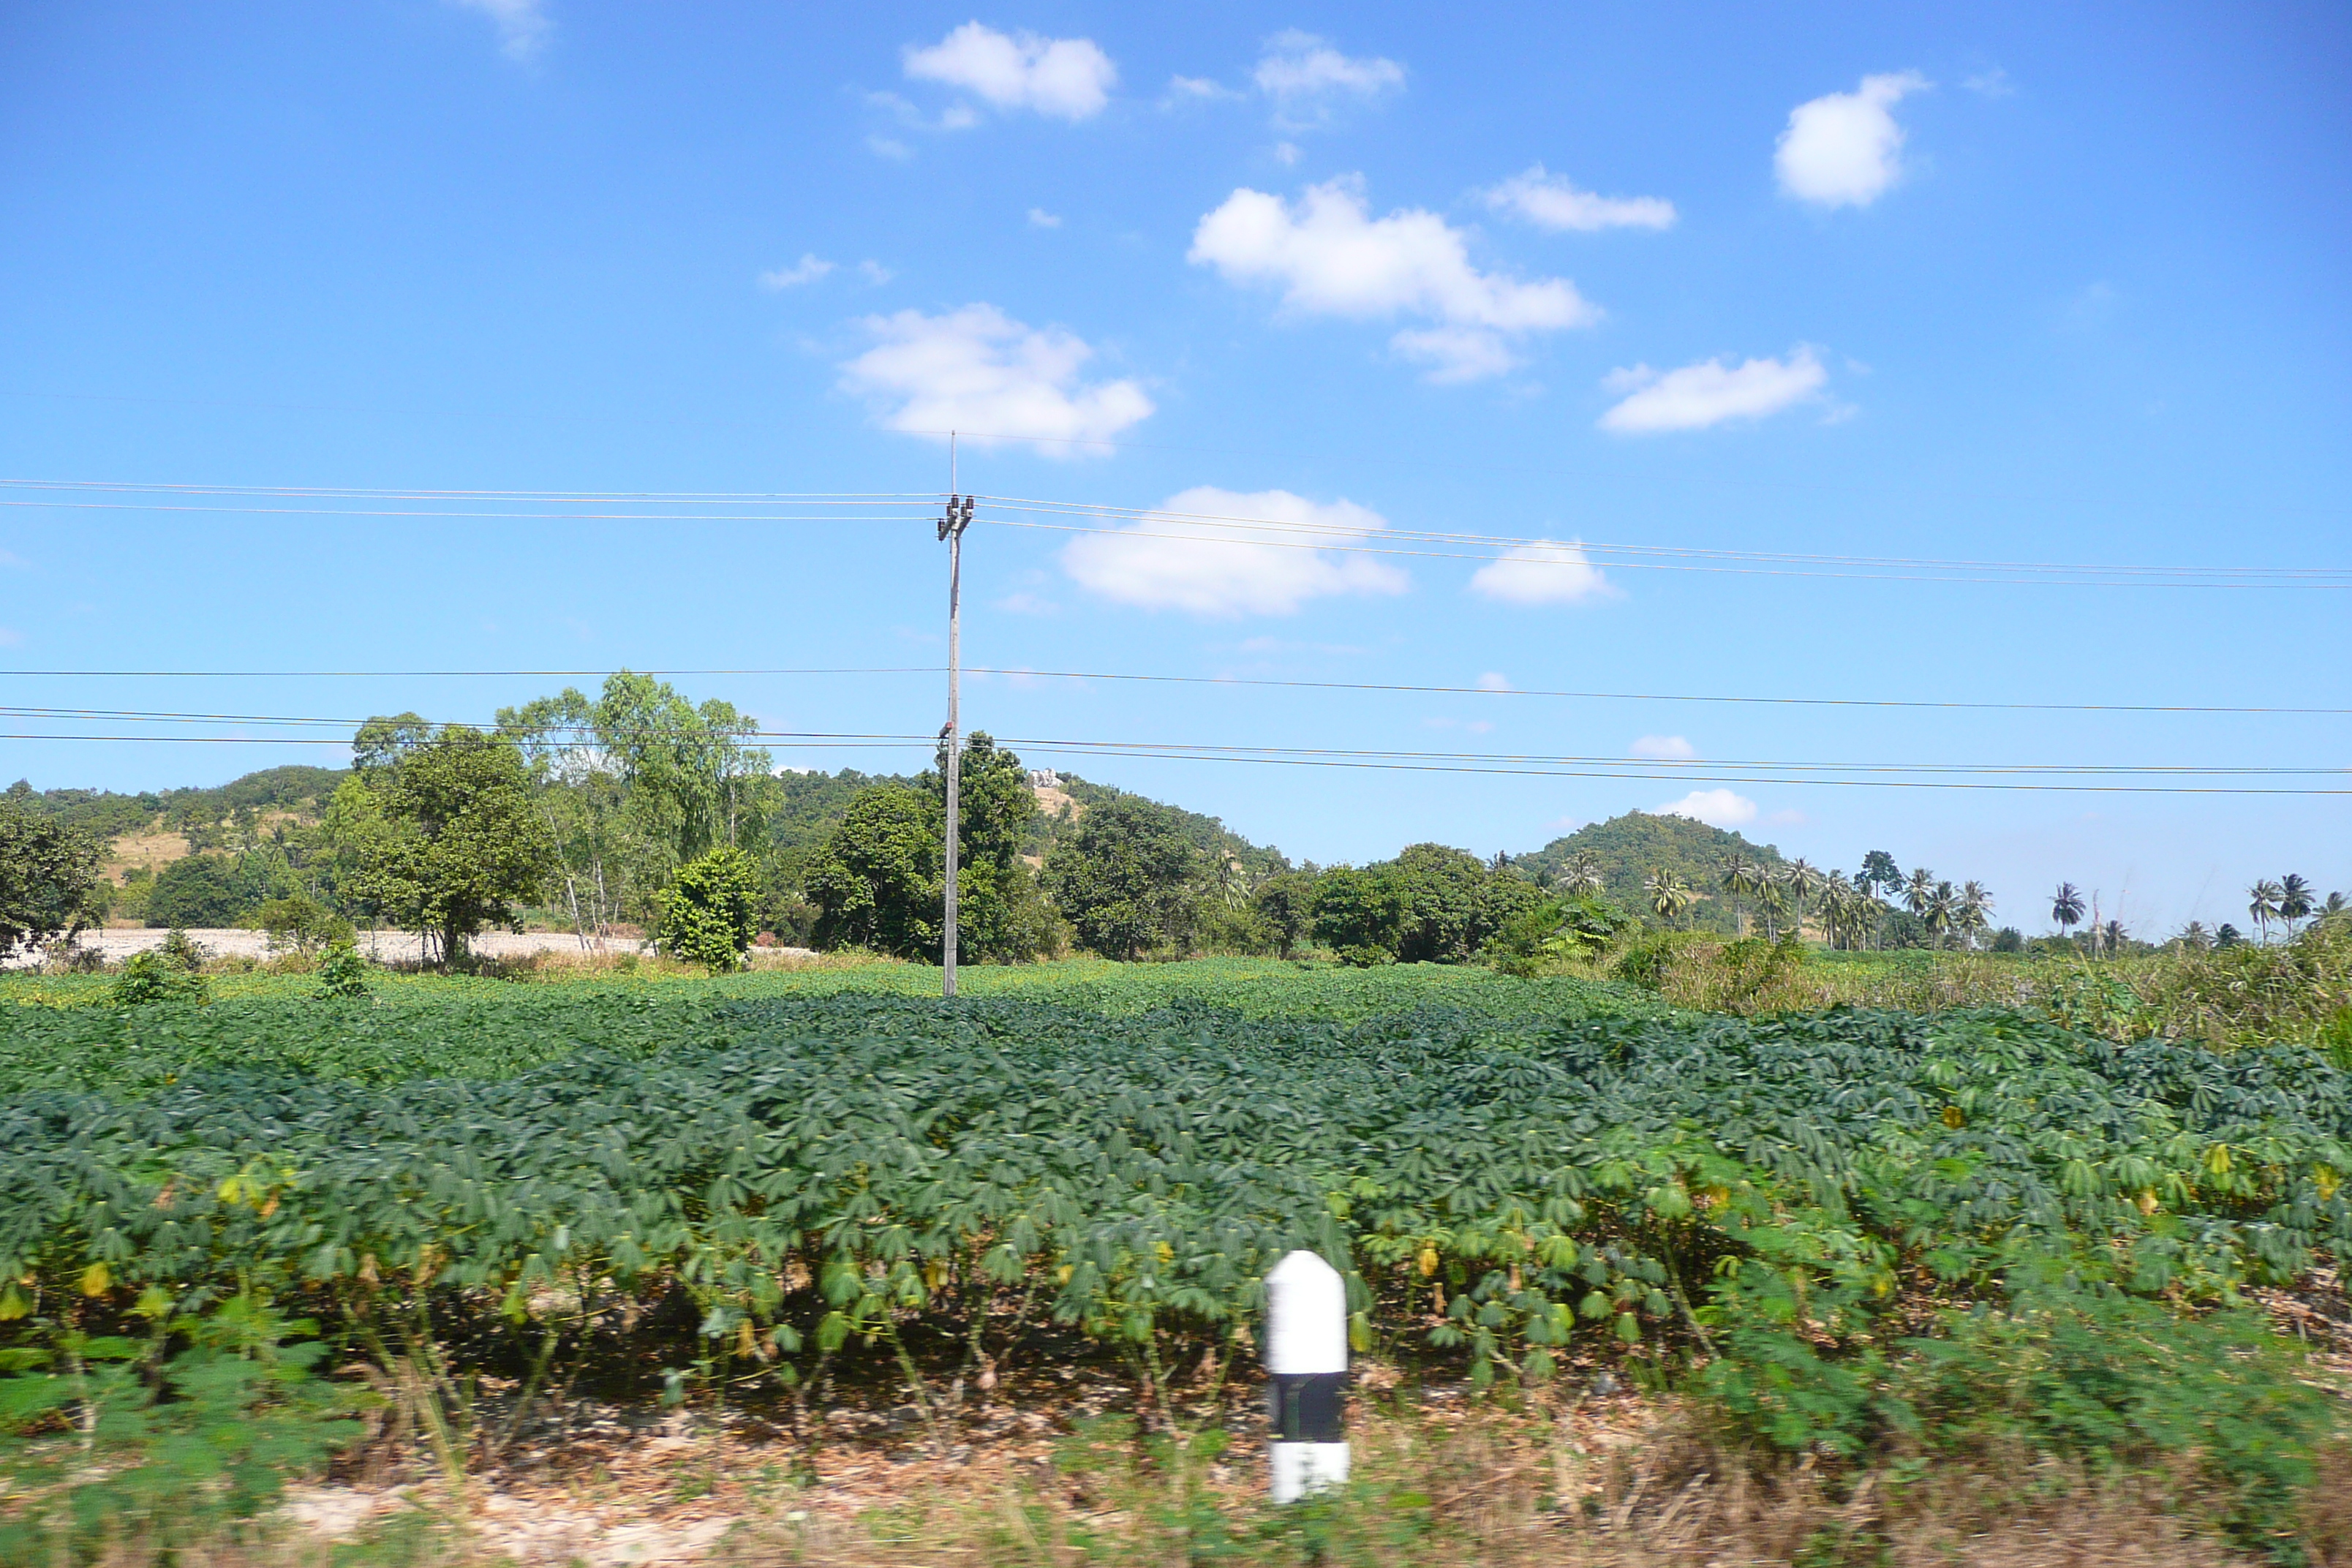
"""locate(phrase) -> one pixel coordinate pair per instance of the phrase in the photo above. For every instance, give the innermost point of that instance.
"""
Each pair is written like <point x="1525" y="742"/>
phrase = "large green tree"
<point x="48" y="879"/>
<point x="875" y="883"/>
<point x="1124" y="877"/>
<point x="439" y="829"/>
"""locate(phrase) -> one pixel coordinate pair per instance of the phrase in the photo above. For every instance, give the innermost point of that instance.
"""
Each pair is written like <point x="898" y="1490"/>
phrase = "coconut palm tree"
<point x="2263" y="903"/>
<point x="1919" y="891"/>
<point x="1741" y="877"/>
<point x="2066" y="908"/>
<point x="1942" y="913"/>
<point x="1804" y="879"/>
<point x="2298" y="899"/>
<point x="2335" y="905"/>
<point x="2196" y="938"/>
<point x="1975" y="911"/>
<point x="1772" y="898"/>
<point x="1668" y="894"/>
<point x="1582" y="874"/>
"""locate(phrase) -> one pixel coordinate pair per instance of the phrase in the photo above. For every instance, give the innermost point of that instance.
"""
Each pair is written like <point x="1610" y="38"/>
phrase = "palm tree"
<point x="1741" y="877"/>
<point x="2196" y="938"/>
<point x="2335" y="905"/>
<point x="2066" y="908"/>
<point x="1975" y="911"/>
<point x="1582" y="874"/>
<point x="1668" y="894"/>
<point x="2297" y="898"/>
<point x="1804" y="879"/>
<point x="2228" y="935"/>
<point x="1772" y="898"/>
<point x="2263" y="903"/>
<point x="1943" y="910"/>
<point x="1919" y="892"/>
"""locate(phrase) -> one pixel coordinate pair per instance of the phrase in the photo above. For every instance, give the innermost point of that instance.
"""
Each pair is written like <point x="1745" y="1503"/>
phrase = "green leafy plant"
<point x="152" y="976"/>
<point x="344" y="972"/>
<point x="712" y="912"/>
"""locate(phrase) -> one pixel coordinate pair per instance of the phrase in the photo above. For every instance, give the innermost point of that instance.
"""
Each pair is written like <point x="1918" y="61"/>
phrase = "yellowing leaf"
<point x="97" y="1280"/>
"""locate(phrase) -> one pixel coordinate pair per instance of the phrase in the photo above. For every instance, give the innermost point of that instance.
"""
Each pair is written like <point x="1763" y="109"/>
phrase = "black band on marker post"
<point x="1309" y="1407"/>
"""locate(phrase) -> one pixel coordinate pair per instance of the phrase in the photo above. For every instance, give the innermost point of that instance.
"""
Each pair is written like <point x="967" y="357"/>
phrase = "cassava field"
<point x="811" y="1266"/>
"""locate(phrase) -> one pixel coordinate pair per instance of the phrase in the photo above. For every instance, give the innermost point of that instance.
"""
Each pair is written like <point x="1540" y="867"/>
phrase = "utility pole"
<point x="953" y="522"/>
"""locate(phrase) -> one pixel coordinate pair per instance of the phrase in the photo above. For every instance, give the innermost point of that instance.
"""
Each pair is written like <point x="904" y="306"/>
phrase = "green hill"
<point x="1633" y="846"/>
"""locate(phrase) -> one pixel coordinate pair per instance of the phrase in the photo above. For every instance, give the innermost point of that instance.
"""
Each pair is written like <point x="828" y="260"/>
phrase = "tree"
<point x="49" y="876"/>
<point x="876" y="882"/>
<point x="1942" y="912"/>
<point x="2262" y="904"/>
<point x="1286" y="902"/>
<point x="2297" y="898"/>
<point x="1919" y="891"/>
<point x="1582" y="874"/>
<point x="1975" y="913"/>
<point x="198" y="892"/>
<point x="1879" y="871"/>
<point x="999" y="913"/>
<point x="1668" y="895"/>
<point x="2195" y="938"/>
<point x="2228" y="935"/>
<point x="2066" y="907"/>
<point x="711" y="912"/>
<point x="1741" y="877"/>
<point x="1803" y="880"/>
<point x="1124" y="878"/>
<point x="440" y="830"/>
<point x="1360" y="914"/>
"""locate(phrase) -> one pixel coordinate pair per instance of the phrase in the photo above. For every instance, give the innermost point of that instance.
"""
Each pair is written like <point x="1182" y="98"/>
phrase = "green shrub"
<point x="302" y="922"/>
<point x="154" y="976"/>
<point x="344" y="972"/>
<point x="711" y="913"/>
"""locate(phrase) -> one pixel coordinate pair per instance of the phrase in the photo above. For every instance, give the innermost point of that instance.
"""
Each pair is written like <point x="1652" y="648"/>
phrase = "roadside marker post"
<point x="1307" y="1375"/>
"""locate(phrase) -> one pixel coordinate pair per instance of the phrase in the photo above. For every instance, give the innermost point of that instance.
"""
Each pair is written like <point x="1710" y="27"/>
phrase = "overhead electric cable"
<point x="1426" y="689"/>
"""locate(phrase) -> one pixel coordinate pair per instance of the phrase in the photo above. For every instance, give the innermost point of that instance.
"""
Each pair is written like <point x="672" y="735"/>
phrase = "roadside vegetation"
<point x="1695" y="1205"/>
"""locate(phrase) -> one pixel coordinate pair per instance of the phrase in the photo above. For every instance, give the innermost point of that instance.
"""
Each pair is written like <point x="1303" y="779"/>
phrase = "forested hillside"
<point x="1631" y="846"/>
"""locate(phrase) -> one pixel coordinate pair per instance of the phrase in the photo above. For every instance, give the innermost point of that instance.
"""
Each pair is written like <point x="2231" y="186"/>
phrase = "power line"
<point x="1530" y="765"/>
<point x="1422" y="688"/>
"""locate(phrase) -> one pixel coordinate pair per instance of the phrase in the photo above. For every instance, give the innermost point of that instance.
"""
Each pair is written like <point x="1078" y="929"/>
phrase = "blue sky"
<point x="2015" y="283"/>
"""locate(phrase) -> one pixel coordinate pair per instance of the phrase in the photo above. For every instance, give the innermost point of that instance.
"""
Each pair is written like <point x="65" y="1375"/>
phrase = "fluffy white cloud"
<point x="1040" y="218"/>
<point x="1663" y="749"/>
<point x="1303" y="74"/>
<point x="1715" y="807"/>
<point x="1494" y="681"/>
<point x="1710" y="392"/>
<point x="1544" y="573"/>
<point x="522" y="25"/>
<point x="1205" y="569"/>
<point x="1069" y="78"/>
<point x="808" y="269"/>
<point x="979" y="371"/>
<point x="1330" y="257"/>
<point x="1552" y="201"/>
<point x="1844" y="149"/>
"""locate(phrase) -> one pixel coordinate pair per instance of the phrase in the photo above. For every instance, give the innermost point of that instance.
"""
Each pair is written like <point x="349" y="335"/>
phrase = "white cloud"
<point x="874" y="273"/>
<point x="979" y="371"/>
<point x="1544" y="573"/>
<point x="1552" y="201"/>
<point x="1332" y="256"/>
<point x="1303" y="74"/>
<point x="808" y="269"/>
<point x="1069" y="78"/>
<point x="1992" y="83"/>
<point x="1844" y="149"/>
<point x="1494" y="681"/>
<point x="1194" y="88"/>
<point x="890" y="147"/>
<point x="523" y="24"/>
<point x="1231" y="576"/>
<point x="1040" y="218"/>
<point x="1663" y="748"/>
<point x="1710" y="392"/>
<point x="1715" y="807"/>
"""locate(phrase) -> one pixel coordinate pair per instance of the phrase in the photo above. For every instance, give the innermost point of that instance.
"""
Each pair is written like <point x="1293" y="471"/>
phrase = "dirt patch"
<point x="152" y="852"/>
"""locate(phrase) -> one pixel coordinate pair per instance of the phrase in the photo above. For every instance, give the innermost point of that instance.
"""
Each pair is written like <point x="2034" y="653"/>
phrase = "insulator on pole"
<point x="1307" y="1375"/>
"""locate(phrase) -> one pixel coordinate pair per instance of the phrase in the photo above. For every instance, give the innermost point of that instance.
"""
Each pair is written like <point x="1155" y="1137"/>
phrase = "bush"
<point x="1558" y="931"/>
<point x="199" y="890"/>
<point x="344" y="972"/>
<point x="302" y="923"/>
<point x="154" y="977"/>
<point x="711" y="913"/>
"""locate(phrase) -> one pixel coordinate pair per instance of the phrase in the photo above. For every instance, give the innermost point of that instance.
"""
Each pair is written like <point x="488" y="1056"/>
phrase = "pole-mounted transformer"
<point x="1307" y="1367"/>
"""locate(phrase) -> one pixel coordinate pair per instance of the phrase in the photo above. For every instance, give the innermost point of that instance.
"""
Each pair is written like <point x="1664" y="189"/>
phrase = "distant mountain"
<point x="1633" y="846"/>
<point x="295" y="788"/>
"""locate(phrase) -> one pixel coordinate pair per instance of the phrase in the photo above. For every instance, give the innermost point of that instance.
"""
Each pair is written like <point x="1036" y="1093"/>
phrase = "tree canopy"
<point x="48" y="873"/>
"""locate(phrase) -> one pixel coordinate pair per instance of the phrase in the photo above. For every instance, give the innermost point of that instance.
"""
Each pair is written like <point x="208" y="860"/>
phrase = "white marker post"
<point x="1307" y="1366"/>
